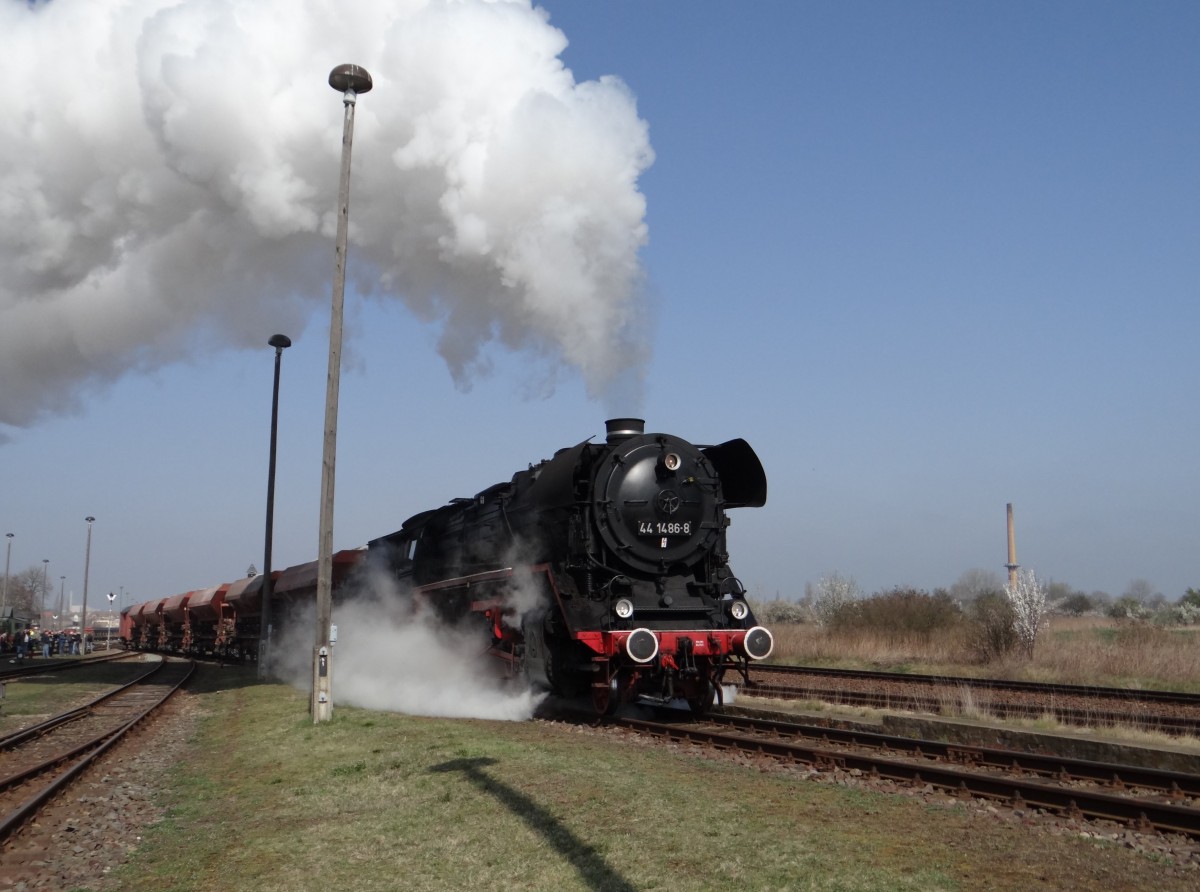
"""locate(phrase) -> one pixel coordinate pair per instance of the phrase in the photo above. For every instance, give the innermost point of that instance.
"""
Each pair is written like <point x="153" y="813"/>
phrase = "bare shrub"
<point x="1128" y="607"/>
<point x="993" y="628"/>
<point x="1075" y="604"/>
<point x="900" y="613"/>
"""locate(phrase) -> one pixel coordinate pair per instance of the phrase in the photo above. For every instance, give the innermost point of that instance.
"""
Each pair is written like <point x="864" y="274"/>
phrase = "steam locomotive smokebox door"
<point x="658" y="500"/>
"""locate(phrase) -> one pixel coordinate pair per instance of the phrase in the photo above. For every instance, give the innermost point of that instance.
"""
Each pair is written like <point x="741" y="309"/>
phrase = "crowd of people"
<point x="29" y="643"/>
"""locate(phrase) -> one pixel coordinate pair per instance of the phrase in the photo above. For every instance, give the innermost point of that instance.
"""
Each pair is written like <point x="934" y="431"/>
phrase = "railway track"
<point x="1138" y="798"/>
<point x="38" y="762"/>
<point x="14" y="671"/>
<point x="1168" y="712"/>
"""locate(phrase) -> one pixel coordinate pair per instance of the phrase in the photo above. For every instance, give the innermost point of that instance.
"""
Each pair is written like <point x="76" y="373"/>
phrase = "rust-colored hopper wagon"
<point x="243" y="610"/>
<point x="206" y="620"/>
<point x="175" y="625"/>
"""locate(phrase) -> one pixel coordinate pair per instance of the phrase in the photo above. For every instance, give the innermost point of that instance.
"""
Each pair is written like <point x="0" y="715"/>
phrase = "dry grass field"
<point x="1073" y="650"/>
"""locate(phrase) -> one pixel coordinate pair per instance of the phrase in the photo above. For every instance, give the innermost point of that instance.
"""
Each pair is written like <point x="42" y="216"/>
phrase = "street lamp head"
<point x="346" y="78"/>
<point x="89" y="519"/>
<point x="279" y="342"/>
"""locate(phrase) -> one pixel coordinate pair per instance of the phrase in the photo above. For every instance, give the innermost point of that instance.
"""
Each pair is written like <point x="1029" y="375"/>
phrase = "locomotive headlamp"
<point x="756" y="643"/>
<point x="672" y="461"/>
<point x="739" y="610"/>
<point x="623" y="608"/>
<point x="641" y="645"/>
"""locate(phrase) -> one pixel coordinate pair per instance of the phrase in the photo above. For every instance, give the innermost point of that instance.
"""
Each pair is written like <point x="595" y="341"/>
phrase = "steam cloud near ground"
<point x="392" y="657"/>
<point x="168" y="182"/>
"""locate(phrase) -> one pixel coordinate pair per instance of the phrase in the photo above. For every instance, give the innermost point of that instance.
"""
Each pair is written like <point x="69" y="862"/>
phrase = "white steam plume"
<point x="392" y="658"/>
<point x="168" y="181"/>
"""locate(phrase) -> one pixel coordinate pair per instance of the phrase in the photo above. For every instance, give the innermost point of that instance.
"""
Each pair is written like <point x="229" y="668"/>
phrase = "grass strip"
<point x="376" y="801"/>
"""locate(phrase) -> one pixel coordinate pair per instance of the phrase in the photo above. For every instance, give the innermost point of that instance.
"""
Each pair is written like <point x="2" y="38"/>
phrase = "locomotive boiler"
<point x="602" y="571"/>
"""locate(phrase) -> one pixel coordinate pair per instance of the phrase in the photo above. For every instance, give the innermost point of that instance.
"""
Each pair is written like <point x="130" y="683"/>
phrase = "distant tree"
<point x="1140" y="590"/>
<point x="1058" y="591"/>
<point x="1128" y="607"/>
<point x="1076" y="604"/>
<point x="974" y="584"/>
<point x="1028" y="599"/>
<point x="1190" y="598"/>
<point x="831" y="595"/>
<point x="23" y="590"/>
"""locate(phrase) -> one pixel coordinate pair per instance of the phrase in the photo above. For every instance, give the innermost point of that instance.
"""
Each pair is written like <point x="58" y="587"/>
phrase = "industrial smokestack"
<point x="1012" y="564"/>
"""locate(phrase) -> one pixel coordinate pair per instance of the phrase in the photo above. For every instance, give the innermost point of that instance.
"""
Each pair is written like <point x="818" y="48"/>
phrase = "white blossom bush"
<point x="1028" y="599"/>
<point x="831" y="595"/>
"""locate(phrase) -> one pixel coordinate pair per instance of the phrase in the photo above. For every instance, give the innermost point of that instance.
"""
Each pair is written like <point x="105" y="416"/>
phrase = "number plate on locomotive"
<point x="664" y="528"/>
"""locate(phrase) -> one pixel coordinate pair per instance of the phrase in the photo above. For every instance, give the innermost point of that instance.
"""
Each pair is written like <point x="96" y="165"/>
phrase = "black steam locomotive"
<point x="603" y="569"/>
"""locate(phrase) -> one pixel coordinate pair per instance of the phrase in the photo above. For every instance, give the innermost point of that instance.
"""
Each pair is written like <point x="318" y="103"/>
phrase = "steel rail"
<point x="39" y="667"/>
<point x="1182" y="698"/>
<point x="102" y="743"/>
<point x="1019" y="793"/>
<point x="1072" y="715"/>
<point x="16" y="738"/>
<point x="1176" y="784"/>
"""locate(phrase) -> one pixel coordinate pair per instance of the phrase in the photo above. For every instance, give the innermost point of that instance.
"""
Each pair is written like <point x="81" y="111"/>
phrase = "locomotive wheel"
<point x="605" y="698"/>
<point x="703" y="703"/>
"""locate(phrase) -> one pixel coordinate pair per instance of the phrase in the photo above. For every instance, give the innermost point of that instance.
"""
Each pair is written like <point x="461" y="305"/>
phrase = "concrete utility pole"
<point x="42" y="607"/>
<point x="7" y="563"/>
<point x="87" y="562"/>
<point x="349" y="80"/>
<point x="1012" y="564"/>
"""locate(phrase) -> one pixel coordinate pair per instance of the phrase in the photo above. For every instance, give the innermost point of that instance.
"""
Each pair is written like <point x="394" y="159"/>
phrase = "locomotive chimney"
<point x="623" y="428"/>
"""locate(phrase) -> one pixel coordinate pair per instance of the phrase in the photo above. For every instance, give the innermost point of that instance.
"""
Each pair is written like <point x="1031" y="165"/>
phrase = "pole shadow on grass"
<point x="592" y="867"/>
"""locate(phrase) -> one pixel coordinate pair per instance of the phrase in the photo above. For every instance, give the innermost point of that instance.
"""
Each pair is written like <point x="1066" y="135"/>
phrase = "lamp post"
<point x="280" y="343"/>
<point x="42" y="605"/>
<point x="62" y="584"/>
<point x="7" y="563"/>
<point x="87" y="560"/>
<point x="349" y="80"/>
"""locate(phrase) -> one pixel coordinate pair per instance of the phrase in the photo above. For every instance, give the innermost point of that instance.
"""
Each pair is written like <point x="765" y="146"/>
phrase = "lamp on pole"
<point x="7" y="563"/>
<point x="87" y="560"/>
<point x="280" y="343"/>
<point x="349" y="80"/>
<point x="42" y="605"/>
<point x="62" y="584"/>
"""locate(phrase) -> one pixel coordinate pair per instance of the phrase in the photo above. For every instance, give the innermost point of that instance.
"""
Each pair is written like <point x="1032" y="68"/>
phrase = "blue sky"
<point x="927" y="258"/>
